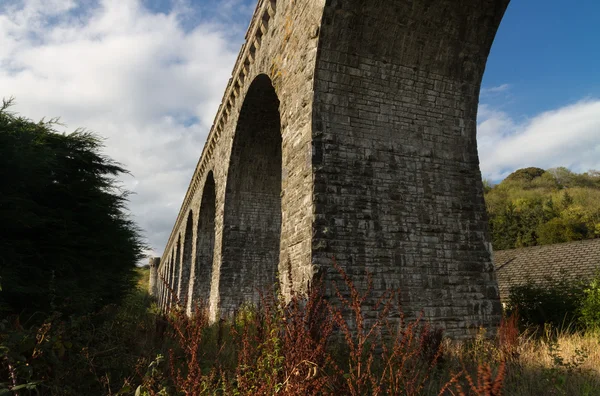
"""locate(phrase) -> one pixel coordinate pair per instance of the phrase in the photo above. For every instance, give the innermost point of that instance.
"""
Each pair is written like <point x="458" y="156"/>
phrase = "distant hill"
<point x="533" y="206"/>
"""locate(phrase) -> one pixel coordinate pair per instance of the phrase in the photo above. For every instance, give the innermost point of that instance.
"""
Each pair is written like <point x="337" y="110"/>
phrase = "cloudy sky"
<point x="149" y="75"/>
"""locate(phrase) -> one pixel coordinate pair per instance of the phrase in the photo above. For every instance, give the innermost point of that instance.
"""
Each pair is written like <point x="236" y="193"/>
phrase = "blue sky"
<point x="149" y="76"/>
<point x="548" y="51"/>
<point x="539" y="100"/>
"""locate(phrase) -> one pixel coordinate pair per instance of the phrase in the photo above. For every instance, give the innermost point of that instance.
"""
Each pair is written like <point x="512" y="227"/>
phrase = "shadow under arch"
<point x="186" y="260"/>
<point x="175" y="275"/>
<point x="205" y="241"/>
<point x="252" y="216"/>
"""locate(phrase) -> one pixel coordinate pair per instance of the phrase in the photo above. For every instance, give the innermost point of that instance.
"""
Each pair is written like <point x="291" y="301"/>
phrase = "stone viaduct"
<point x="347" y="130"/>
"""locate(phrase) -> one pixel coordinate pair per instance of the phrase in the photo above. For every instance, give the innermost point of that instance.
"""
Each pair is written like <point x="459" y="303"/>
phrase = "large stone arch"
<point x="175" y="271"/>
<point x="166" y="281"/>
<point x="160" y="282"/>
<point x="172" y="281"/>
<point x="252" y="216"/>
<point x="186" y="260"/>
<point x="167" y="275"/>
<point x="205" y="241"/>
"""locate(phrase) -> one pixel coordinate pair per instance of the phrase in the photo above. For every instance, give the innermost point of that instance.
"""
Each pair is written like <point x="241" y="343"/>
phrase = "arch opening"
<point x="171" y="278"/>
<point x="205" y="241"/>
<point x="167" y="284"/>
<point x="176" y="268"/>
<point x="252" y="217"/>
<point x="186" y="260"/>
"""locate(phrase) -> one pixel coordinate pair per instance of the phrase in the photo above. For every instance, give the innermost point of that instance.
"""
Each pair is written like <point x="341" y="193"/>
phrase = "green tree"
<point x="67" y="242"/>
<point x="567" y="200"/>
<point x="525" y="174"/>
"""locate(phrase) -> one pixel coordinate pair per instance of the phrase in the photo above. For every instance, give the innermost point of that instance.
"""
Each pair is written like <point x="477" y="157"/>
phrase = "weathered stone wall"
<point x="153" y="286"/>
<point x="398" y="189"/>
<point x="348" y="129"/>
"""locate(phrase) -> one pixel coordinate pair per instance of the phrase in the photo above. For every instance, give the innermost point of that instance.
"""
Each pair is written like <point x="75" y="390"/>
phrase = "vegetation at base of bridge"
<point x="534" y="207"/>
<point x="305" y="348"/>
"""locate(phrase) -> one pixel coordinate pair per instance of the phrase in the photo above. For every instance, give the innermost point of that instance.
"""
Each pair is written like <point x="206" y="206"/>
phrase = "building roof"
<point x="570" y="261"/>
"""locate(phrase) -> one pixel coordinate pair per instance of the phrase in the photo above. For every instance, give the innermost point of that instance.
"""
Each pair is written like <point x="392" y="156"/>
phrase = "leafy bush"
<point x="555" y="303"/>
<point x="590" y="305"/>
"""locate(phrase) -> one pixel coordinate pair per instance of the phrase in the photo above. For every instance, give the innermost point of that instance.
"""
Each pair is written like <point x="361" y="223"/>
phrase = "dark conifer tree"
<point x="66" y="240"/>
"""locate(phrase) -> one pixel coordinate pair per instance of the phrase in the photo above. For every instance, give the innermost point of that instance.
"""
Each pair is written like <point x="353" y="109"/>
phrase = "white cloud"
<point x="568" y="136"/>
<point x="144" y="81"/>
<point x="495" y="90"/>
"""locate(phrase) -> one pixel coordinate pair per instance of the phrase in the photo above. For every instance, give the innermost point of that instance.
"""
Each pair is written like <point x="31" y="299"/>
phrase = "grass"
<point x="549" y="364"/>
<point x="557" y="364"/>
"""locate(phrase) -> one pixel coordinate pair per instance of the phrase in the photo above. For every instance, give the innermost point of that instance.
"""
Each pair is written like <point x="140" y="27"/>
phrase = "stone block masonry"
<point x="153" y="285"/>
<point x="347" y="130"/>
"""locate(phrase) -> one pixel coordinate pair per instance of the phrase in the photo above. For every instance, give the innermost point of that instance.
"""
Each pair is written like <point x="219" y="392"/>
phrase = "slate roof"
<point x="571" y="261"/>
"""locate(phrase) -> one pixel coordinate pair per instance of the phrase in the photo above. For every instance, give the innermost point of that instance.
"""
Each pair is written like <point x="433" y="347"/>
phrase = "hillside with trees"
<point x="533" y="206"/>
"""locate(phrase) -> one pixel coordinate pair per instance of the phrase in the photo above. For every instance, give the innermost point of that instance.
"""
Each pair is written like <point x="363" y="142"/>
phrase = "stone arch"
<point x="161" y="270"/>
<point x="205" y="241"/>
<point x="175" y="270"/>
<point x="252" y="214"/>
<point x="186" y="260"/>
<point x="168" y="277"/>
<point x="163" y="279"/>
<point x="171" y="278"/>
<point x="165" y="282"/>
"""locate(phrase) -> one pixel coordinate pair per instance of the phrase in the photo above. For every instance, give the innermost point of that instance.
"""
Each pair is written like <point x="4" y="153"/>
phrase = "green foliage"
<point x="535" y="207"/>
<point x="79" y="355"/>
<point x="590" y="305"/>
<point x="66" y="240"/>
<point x="558" y="303"/>
<point x="554" y="303"/>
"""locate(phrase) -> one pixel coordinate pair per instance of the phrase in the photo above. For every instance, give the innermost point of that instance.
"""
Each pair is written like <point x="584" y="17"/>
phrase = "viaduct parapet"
<point x="347" y="130"/>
